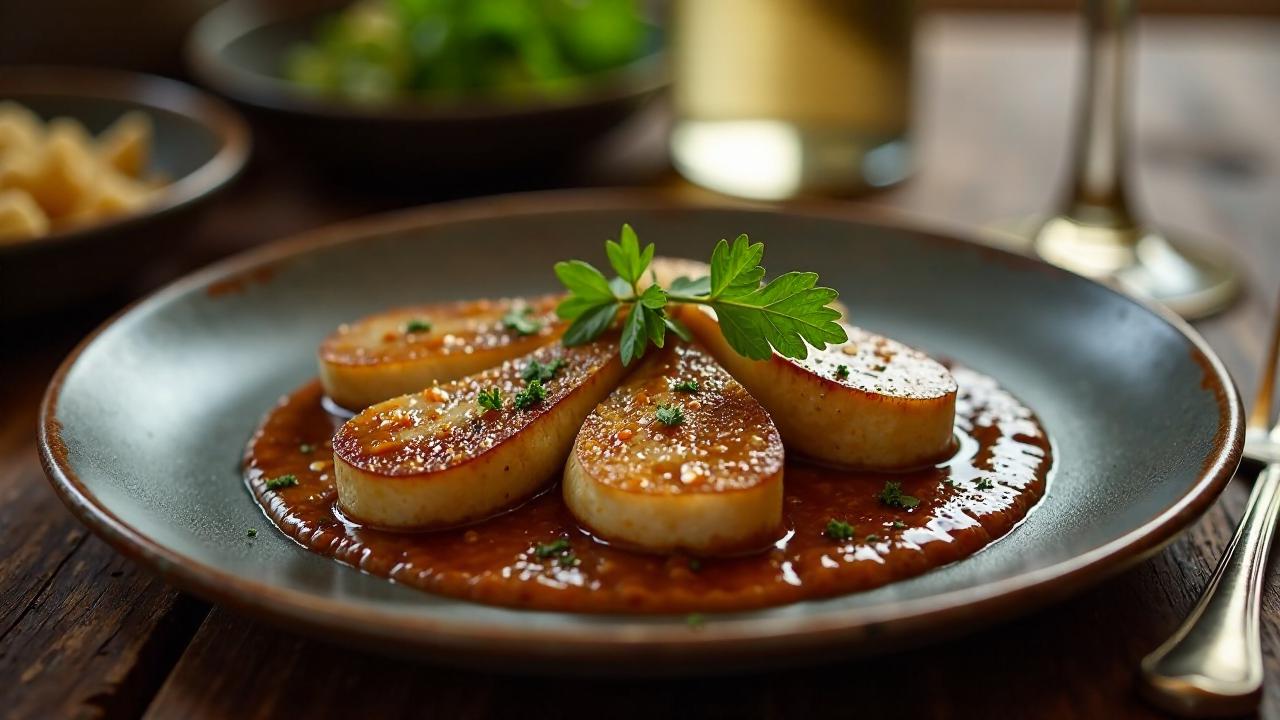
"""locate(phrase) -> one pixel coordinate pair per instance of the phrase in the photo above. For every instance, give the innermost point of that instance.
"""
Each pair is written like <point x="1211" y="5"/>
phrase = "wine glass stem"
<point x="1097" y="186"/>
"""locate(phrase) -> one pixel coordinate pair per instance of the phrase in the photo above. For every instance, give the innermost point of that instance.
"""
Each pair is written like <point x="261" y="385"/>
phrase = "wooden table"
<point x="84" y="632"/>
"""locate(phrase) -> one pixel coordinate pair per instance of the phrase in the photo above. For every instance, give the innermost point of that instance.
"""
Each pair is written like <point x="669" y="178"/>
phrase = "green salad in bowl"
<point x="382" y="50"/>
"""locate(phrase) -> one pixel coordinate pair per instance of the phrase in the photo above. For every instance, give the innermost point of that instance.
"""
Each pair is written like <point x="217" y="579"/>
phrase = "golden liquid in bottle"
<point x="776" y="98"/>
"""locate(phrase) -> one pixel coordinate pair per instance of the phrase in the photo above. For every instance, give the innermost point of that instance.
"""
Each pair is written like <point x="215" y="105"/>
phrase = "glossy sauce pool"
<point x="996" y="477"/>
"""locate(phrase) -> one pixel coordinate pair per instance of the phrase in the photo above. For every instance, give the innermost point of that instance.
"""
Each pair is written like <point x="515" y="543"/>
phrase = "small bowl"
<point x="238" y="49"/>
<point x="199" y="142"/>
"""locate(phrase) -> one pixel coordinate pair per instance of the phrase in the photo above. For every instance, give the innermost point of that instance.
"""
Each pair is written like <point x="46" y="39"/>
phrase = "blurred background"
<point x="142" y="139"/>
<point x="1048" y="126"/>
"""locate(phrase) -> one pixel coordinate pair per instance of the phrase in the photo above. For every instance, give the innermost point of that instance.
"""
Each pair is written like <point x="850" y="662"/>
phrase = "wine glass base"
<point x="1142" y="262"/>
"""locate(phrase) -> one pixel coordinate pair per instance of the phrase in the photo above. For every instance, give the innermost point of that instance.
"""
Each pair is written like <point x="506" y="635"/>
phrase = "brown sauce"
<point x="996" y="477"/>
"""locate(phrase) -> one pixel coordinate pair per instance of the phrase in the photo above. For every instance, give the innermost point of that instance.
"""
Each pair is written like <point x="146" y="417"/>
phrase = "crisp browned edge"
<point x="642" y="77"/>
<point x="742" y="641"/>
<point x="148" y="91"/>
<point x="537" y="418"/>
<point x="329" y="357"/>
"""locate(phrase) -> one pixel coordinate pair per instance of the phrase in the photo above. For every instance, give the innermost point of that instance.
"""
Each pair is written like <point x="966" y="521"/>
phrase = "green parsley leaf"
<point x="306" y="448"/>
<point x="544" y="372"/>
<point x="556" y="547"/>
<point x="283" y="481"/>
<point x="984" y="484"/>
<point x="521" y="321"/>
<point x="590" y="323"/>
<point x="653" y="297"/>
<point x="787" y="315"/>
<point x="686" y="386"/>
<point x="417" y="326"/>
<point x="893" y="496"/>
<point x="873" y="538"/>
<point x="626" y="257"/>
<point x="899" y="525"/>
<point x="839" y="530"/>
<point x="531" y="395"/>
<point x="584" y="282"/>
<point x="670" y="414"/>
<point x="735" y="269"/>
<point x="568" y="560"/>
<point x="251" y="532"/>
<point x="635" y="338"/>
<point x="490" y="399"/>
<point x="842" y="372"/>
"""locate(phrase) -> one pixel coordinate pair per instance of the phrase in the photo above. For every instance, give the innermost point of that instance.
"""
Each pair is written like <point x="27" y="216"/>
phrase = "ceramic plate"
<point x="144" y="425"/>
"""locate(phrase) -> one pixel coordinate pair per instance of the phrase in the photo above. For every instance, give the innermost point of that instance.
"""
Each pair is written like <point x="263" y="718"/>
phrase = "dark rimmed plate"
<point x="144" y="424"/>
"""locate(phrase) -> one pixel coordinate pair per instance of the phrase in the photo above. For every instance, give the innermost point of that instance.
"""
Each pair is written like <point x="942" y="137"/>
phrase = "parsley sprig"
<point x="839" y="530"/>
<point x="785" y="315"/>
<point x="669" y="414"/>
<point x="521" y="321"/>
<point x="686" y="386"/>
<point x="893" y="497"/>
<point x="490" y="399"/>
<point x="531" y="395"/>
<point x="543" y="372"/>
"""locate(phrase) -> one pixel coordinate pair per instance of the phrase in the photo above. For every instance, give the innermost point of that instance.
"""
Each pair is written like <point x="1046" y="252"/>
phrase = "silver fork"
<point x="1213" y="664"/>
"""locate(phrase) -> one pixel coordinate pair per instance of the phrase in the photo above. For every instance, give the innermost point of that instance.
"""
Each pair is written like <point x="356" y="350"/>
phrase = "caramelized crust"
<point x="709" y="484"/>
<point x="890" y="408"/>
<point x="383" y="355"/>
<point x="436" y="457"/>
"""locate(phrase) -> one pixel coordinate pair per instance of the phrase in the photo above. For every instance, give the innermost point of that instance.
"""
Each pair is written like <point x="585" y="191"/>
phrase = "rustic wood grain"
<point x="84" y="633"/>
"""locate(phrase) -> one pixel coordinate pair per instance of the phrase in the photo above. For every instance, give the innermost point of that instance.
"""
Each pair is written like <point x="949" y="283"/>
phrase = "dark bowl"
<point x="238" y="48"/>
<point x="200" y="143"/>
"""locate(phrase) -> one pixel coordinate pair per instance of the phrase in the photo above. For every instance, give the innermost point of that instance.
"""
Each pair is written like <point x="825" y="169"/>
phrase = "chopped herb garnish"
<point x="490" y="399"/>
<point x="899" y="525"/>
<point x="553" y="548"/>
<point x="686" y="386"/>
<point x="786" y="315"/>
<point x="670" y="414"/>
<point x="542" y="371"/>
<point x="842" y="372"/>
<point x="839" y="530"/>
<point x="893" y="496"/>
<point x="985" y="484"/>
<point x="521" y="321"/>
<point x="531" y="395"/>
<point x="306" y="448"/>
<point x="695" y="564"/>
<point x="568" y="560"/>
<point x="694" y="620"/>
<point x="283" y="481"/>
<point x="417" y="326"/>
<point x="873" y="538"/>
<point x="251" y="532"/>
